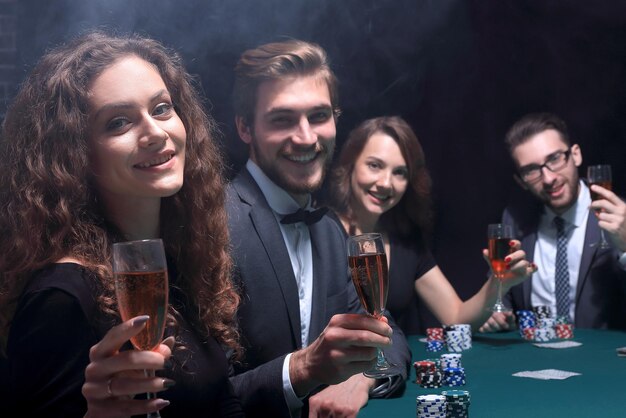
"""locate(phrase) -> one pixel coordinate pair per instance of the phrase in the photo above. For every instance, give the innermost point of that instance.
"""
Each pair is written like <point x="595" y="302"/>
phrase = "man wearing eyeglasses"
<point x="576" y="278"/>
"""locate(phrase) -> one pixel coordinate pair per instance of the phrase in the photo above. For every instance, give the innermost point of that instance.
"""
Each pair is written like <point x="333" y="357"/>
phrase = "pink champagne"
<point x="498" y="250"/>
<point x="144" y="294"/>
<point x="371" y="280"/>
<point x="603" y="183"/>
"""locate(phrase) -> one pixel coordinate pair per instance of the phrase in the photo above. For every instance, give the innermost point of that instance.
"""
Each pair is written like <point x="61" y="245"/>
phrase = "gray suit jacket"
<point x="601" y="289"/>
<point x="269" y="316"/>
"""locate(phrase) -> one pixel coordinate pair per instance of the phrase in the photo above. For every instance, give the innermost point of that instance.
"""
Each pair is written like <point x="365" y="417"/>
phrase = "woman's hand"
<point x="518" y="268"/>
<point x="113" y="377"/>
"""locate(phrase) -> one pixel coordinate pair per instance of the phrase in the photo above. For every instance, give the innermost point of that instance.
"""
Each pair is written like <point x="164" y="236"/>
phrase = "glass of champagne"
<point x="499" y="236"/>
<point x="368" y="267"/>
<point x="141" y="288"/>
<point x="600" y="175"/>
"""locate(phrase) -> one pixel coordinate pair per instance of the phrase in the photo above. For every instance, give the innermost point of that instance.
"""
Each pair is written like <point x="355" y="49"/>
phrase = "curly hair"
<point x="413" y="214"/>
<point x="48" y="202"/>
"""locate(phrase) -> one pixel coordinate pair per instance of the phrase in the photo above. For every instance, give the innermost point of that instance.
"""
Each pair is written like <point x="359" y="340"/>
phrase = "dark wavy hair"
<point x="412" y="216"/>
<point x="48" y="202"/>
<point x="274" y="61"/>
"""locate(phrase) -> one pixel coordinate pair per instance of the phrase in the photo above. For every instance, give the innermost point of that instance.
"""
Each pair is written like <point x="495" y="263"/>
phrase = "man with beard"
<point x="306" y="340"/>
<point x="584" y="283"/>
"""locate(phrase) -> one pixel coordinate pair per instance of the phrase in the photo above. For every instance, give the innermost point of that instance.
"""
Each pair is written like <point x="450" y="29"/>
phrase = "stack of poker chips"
<point x="434" y="339"/>
<point x="453" y="376"/>
<point x="431" y="406"/>
<point x="458" y="337"/>
<point x="527" y="324"/>
<point x="564" y="330"/>
<point x="427" y="374"/>
<point x="450" y="360"/>
<point x="540" y="325"/>
<point x="457" y="403"/>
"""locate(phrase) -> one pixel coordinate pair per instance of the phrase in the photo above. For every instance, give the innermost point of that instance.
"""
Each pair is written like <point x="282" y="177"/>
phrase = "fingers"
<point x="116" y="337"/>
<point x="605" y="194"/>
<point x="358" y="330"/>
<point x="124" y="408"/>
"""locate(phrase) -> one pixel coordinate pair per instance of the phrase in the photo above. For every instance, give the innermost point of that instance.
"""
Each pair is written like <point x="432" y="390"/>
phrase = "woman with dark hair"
<point x="380" y="184"/>
<point x="107" y="141"/>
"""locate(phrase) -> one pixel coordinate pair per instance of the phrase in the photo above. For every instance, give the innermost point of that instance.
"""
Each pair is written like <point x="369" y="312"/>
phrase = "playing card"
<point x="547" y="374"/>
<point x="559" y="344"/>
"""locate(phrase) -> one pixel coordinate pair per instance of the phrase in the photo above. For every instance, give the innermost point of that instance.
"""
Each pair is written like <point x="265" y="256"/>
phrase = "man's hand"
<point x="343" y="400"/>
<point x="346" y="347"/>
<point x="499" y="321"/>
<point x="611" y="213"/>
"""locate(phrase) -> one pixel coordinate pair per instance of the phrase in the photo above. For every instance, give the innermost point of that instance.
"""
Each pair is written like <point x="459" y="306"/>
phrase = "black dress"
<point x="56" y="323"/>
<point x="408" y="262"/>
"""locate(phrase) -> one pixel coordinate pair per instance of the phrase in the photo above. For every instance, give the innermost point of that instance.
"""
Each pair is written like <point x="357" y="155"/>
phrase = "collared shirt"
<point x="545" y="251"/>
<point x="298" y="242"/>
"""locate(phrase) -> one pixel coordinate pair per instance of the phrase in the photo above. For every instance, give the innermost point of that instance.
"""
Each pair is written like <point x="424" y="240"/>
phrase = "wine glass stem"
<point x="149" y="395"/>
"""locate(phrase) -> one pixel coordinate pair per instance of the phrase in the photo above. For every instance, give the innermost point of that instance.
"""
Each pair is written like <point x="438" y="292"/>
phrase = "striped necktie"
<point x="561" y="273"/>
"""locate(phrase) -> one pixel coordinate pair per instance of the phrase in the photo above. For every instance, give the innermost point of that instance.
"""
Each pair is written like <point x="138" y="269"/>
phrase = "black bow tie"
<point x="307" y="216"/>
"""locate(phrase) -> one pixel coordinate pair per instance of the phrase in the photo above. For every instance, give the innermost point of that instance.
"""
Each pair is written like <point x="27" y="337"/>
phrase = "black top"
<point x="408" y="262"/>
<point x="56" y="323"/>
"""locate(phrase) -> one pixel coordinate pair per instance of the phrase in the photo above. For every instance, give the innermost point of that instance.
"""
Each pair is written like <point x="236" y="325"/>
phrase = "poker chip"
<point x="457" y="403"/>
<point x="450" y="360"/>
<point x="434" y="346"/>
<point x="564" y="331"/>
<point x="434" y="334"/>
<point x="528" y="333"/>
<point x="430" y="379"/>
<point x="453" y="376"/>
<point x="431" y="406"/>
<point x="542" y="311"/>
<point x="544" y="334"/>
<point x="423" y="366"/>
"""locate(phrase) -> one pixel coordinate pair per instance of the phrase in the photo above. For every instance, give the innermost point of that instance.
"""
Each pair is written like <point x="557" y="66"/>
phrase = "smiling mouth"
<point x="302" y="158"/>
<point x="381" y="197"/>
<point x="157" y="161"/>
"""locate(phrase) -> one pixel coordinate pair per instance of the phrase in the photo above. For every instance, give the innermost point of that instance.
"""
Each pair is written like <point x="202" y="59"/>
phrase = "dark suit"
<point x="600" y="293"/>
<point x="269" y="316"/>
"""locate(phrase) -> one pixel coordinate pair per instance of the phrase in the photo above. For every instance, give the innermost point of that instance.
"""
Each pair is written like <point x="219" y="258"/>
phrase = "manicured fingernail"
<point x="167" y="364"/>
<point x="508" y="267"/>
<point x="168" y="383"/>
<point x="511" y="243"/>
<point x="161" y="403"/>
<point x="140" y="320"/>
<point x="507" y="260"/>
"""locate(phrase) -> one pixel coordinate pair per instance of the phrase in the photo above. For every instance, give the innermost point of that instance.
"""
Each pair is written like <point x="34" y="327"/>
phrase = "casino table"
<point x="600" y="390"/>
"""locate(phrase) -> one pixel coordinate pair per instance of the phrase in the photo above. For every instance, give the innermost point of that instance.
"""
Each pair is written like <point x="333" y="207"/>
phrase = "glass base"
<point x="380" y="371"/>
<point x="499" y="307"/>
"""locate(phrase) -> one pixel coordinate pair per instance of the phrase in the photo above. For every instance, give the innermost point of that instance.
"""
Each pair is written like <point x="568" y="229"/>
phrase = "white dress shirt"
<point x="545" y="251"/>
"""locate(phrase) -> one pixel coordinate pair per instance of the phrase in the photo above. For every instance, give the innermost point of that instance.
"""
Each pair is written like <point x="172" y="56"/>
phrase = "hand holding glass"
<point x="141" y="288"/>
<point x="600" y="175"/>
<point x="499" y="236"/>
<point x="368" y="267"/>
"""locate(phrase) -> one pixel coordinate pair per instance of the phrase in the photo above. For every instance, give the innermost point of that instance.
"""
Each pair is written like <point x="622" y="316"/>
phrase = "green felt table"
<point x="600" y="390"/>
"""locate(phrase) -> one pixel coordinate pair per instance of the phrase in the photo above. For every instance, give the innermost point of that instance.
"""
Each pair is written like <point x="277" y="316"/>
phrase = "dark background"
<point x="460" y="72"/>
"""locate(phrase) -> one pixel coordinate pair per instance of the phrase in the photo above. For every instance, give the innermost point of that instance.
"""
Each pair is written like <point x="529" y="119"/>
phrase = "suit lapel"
<point x="320" y="275"/>
<point x="528" y="245"/>
<point x="592" y="234"/>
<point x="267" y="228"/>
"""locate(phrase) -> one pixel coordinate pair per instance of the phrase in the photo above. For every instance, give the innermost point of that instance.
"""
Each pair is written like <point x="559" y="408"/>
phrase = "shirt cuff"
<point x="294" y="403"/>
<point x="622" y="260"/>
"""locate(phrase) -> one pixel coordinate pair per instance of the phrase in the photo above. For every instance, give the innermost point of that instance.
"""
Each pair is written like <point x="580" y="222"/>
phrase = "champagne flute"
<point x="368" y="267"/>
<point x="499" y="236"/>
<point x="599" y="175"/>
<point x="141" y="288"/>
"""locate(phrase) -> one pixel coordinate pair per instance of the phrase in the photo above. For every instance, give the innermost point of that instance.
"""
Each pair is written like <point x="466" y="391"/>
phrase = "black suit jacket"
<point x="601" y="289"/>
<point x="269" y="316"/>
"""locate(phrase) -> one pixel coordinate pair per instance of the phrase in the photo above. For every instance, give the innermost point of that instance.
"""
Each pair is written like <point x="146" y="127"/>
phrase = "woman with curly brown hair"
<point x="380" y="184"/>
<point x="94" y="150"/>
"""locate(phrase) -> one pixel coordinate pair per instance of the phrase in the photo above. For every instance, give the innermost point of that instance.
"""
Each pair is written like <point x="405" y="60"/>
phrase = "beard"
<point x="276" y="173"/>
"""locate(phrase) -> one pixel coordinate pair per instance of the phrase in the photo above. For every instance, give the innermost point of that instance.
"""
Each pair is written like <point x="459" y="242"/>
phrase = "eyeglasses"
<point x="555" y="162"/>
